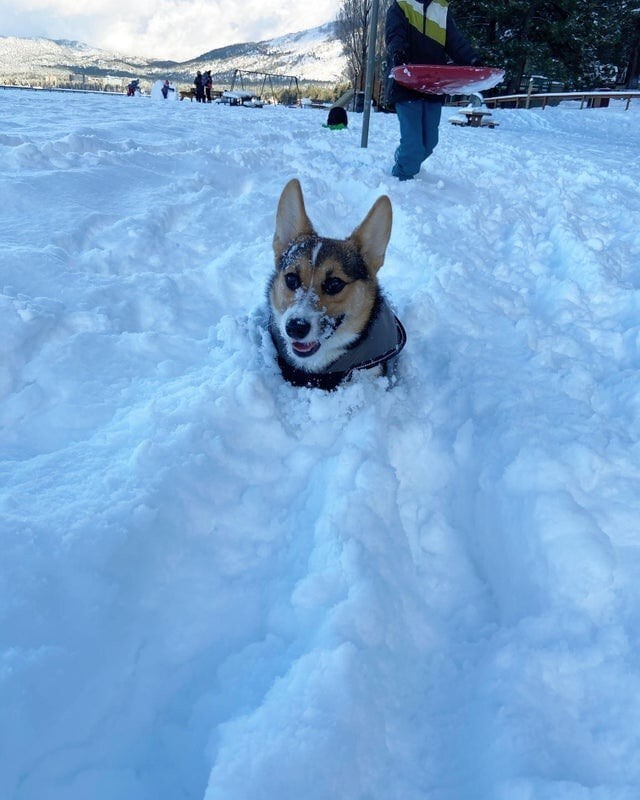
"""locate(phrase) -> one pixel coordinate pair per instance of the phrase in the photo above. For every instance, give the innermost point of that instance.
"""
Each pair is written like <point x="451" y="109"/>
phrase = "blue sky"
<point x="171" y="29"/>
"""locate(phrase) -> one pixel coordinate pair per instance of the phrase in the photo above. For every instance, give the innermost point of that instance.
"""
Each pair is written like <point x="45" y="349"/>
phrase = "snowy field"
<point x="216" y="586"/>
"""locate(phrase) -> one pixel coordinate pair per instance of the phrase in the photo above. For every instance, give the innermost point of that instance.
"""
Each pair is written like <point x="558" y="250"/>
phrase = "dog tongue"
<point x="304" y="347"/>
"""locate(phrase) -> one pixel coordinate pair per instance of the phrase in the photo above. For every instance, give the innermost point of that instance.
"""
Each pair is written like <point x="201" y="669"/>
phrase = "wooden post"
<point x="528" y="101"/>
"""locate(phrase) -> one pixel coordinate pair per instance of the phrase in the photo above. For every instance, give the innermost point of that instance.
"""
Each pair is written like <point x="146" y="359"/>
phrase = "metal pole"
<point x="371" y="67"/>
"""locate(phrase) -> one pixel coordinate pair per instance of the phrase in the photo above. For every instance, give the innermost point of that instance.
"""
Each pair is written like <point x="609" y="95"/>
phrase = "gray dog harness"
<point x="380" y="345"/>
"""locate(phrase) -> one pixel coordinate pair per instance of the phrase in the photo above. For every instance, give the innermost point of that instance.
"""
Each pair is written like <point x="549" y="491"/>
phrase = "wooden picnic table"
<point x="475" y="116"/>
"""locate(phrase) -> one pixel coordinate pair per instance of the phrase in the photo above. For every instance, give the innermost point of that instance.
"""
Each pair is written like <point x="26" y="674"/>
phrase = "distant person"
<point x="420" y="32"/>
<point x="199" y="84"/>
<point x="208" y="83"/>
<point x="133" y="87"/>
<point x="166" y="88"/>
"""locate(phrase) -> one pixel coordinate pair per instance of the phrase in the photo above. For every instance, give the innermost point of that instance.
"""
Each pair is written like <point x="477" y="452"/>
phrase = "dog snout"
<point x="297" y="328"/>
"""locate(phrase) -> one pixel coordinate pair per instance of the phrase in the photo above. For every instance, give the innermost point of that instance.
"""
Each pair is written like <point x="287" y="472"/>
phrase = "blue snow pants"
<point x="419" y="121"/>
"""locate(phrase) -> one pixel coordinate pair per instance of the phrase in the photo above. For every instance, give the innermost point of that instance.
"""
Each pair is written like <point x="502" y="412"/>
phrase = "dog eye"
<point x="333" y="286"/>
<point x="292" y="279"/>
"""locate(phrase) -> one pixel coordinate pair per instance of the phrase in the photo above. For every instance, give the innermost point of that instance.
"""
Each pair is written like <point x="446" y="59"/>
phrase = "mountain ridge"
<point x="313" y="55"/>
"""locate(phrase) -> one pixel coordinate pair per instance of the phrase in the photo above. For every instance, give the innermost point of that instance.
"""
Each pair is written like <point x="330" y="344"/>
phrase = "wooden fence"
<point x="598" y="99"/>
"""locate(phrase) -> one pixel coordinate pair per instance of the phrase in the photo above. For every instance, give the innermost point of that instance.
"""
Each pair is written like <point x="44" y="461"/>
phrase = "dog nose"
<point x="297" y="328"/>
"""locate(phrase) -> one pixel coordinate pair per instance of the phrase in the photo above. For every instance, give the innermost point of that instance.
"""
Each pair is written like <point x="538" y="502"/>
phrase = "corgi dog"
<point x="328" y="316"/>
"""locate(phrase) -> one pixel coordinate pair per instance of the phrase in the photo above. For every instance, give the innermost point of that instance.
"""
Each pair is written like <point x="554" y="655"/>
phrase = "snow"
<point x="217" y="586"/>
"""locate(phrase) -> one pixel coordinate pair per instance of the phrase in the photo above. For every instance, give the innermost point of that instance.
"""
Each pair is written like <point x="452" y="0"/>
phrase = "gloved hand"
<point x="399" y="58"/>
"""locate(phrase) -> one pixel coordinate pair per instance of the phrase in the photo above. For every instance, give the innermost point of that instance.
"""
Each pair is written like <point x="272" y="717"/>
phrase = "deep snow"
<point x="217" y="586"/>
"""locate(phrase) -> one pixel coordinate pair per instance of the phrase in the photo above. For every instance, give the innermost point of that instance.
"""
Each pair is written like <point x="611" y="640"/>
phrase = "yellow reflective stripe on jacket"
<point x="436" y="18"/>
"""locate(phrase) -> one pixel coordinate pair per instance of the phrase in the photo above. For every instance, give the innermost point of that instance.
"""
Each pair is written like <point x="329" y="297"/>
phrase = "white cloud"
<point x="166" y="29"/>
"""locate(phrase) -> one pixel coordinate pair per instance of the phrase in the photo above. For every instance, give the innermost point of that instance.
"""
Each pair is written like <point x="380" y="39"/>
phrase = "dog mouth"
<point x="298" y="331"/>
<point x="305" y="349"/>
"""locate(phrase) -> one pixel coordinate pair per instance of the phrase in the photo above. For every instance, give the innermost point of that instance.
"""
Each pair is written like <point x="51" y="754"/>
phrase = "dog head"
<point x="324" y="291"/>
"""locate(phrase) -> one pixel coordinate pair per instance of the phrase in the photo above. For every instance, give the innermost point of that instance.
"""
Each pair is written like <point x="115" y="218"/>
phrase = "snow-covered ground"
<point x="216" y="586"/>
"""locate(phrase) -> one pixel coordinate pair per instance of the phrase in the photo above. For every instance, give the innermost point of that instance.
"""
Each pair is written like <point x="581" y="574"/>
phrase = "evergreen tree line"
<point x="583" y="44"/>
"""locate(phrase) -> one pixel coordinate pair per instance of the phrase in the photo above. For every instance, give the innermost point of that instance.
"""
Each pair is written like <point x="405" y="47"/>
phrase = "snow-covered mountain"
<point x="37" y="56"/>
<point x="313" y="55"/>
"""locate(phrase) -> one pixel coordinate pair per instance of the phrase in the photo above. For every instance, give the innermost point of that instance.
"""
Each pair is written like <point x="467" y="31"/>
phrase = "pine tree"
<point x="579" y="42"/>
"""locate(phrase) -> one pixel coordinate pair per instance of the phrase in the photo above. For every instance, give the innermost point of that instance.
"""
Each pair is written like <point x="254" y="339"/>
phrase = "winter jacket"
<point x="422" y="32"/>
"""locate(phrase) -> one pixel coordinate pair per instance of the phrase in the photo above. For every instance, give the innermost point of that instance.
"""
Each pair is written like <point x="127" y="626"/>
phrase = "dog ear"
<point x="291" y="219"/>
<point x="372" y="236"/>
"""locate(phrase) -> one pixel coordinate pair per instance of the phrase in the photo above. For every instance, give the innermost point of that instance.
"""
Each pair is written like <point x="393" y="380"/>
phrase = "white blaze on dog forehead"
<point x="315" y="253"/>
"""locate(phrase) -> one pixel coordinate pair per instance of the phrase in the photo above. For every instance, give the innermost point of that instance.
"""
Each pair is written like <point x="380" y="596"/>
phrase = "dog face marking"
<point x="324" y="291"/>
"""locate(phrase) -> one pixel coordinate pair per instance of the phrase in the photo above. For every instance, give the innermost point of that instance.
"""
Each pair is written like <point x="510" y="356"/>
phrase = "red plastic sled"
<point x="447" y="79"/>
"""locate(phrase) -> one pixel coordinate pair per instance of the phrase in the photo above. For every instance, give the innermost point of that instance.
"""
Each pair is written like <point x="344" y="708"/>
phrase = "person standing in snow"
<point x="166" y="88"/>
<point x="420" y="32"/>
<point x="199" y="84"/>
<point x="208" y="83"/>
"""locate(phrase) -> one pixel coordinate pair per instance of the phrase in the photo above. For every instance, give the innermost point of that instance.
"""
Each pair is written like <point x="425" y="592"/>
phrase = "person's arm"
<point x="397" y="36"/>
